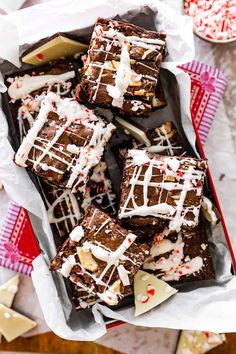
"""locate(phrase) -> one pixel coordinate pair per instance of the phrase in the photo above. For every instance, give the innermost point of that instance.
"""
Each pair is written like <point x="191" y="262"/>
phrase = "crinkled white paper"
<point x="209" y="308"/>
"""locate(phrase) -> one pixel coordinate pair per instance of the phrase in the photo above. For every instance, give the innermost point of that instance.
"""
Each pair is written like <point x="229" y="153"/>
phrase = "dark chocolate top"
<point x="159" y="187"/>
<point x="122" y="67"/>
<point x="101" y="257"/>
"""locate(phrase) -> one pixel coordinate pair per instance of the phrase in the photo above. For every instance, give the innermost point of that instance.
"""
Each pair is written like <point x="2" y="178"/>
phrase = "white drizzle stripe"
<point x="123" y="76"/>
<point x="88" y="155"/>
<point x="67" y="203"/>
<point x="186" y="179"/>
<point x="24" y="85"/>
<point x="162" y="143"/>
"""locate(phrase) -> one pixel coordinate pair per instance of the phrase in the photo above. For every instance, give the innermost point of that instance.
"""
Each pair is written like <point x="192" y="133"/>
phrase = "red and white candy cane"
<point x="215" y="19"/>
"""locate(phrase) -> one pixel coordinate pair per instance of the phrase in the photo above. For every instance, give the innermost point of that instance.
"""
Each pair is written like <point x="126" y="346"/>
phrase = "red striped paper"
<point x="207" y="88"/>
<point x="18" y="245"/>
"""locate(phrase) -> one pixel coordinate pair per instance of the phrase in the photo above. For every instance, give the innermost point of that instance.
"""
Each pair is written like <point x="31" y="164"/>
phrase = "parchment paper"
<point x="211" y="307"/>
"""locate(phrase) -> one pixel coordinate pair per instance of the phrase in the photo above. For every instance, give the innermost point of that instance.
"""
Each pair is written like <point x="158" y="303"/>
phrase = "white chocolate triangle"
<point x="197" y="342"/>
<point x="13" y="324"/>
<point x="8" y="291"/>
<point x="137" y="133"/>
<point x="54" y="49"/>
<point x="144" y="300"/>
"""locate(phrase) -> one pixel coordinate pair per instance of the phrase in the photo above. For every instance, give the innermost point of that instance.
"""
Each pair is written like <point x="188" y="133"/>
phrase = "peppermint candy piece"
<point x="149" y="292"/>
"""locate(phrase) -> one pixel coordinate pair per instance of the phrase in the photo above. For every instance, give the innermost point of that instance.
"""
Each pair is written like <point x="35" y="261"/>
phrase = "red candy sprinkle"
<point x="129" y="240"/>
<point x="144" y="299"/>
<point x="39" y="56"/>
<point x="150" y="289"/>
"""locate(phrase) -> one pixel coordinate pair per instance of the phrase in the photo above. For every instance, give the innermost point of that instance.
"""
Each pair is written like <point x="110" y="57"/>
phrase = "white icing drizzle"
<point x="174" y="266"/>
<point x="162" y="143"/>
<point x="123" y="73"/>
<point x="98" y="176"/>
<point x="24" y="85"/>
<point x="69" y="206"/>
<point x="72" y="113"/>
<point x="71" y="214"/>
<point x="186" y="179"/>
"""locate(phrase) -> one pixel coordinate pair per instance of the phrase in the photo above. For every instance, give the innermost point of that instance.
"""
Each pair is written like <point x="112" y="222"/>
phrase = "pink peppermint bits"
<point x="214" y="19"/>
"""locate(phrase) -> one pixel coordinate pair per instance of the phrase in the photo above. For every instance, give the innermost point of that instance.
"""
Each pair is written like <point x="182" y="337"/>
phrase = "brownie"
<point x="66" y="141"/>
<point x="81" y="298"/>
<point x="25" y="105"/>
<point x="159" y="188"/>
<point x="164" y="140"/>
<point x="182" y="257"/>
<point x="100" y="190"/>
<point x="159" y="100"/>
<point x="101" y="257"/>
<point x="122" y="67"/>
<point x="65" y="209"/>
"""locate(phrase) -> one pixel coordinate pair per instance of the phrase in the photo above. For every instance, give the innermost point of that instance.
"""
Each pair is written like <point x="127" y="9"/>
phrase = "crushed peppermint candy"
<point x="215" y="19"/>
<point x="142" y="298"/>
<point x="151" y="290"/>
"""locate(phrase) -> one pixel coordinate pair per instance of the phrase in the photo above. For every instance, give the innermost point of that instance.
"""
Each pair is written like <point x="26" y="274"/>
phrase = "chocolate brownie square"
<point x="161" y="188"/>
<point x="101" y="257"/>
<point x="164" y="140"/>
<point x="26" y="90"/>
<point x="182" y="257"/>
<point x="66" y="141"/>
<point x="159" y="100"/>
<point x="122" y="67"/>
<point x="65" y="209"/>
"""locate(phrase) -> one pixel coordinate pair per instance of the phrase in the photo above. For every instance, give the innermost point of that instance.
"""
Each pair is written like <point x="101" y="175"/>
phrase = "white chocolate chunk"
<point x="86" y="259"/>
<point x="54" y="49"/>
<point x="111" y="295"/>
<point x="13" y="324"/>
<point x="123" y="274"/>
<point x="197" y="342"/>
<point x="8" y="291"/>
<point x="67" y="266"/>
<point x="208" y="212"/>
<point x="149" y="292"/>
<point x="134" y="131"/>
<point x="77" y="233"/>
